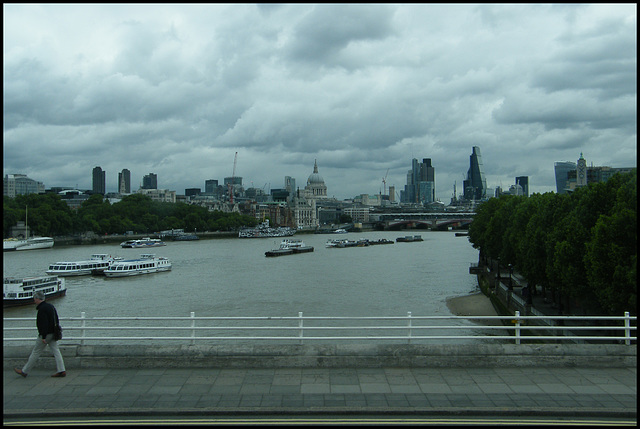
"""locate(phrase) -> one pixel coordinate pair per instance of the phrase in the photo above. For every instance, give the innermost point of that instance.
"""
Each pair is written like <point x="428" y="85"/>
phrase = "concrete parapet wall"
<point x="328" y="356"/>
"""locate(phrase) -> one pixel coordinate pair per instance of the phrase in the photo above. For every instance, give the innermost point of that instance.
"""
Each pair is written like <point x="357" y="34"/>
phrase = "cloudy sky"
<point x="177" y="90"/>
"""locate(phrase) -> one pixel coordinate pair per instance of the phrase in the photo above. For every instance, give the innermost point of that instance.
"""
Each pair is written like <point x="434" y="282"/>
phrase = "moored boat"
<point x="19" y="291"/>
<point x="95" y="265"/>
<point x="289" y="247"/>
<point x="146" y="264"/>
<point x="409" y="238"/>
<point x="264" y="231"/>
<point x="142" y="243"/>
<point x="32" y="243"/>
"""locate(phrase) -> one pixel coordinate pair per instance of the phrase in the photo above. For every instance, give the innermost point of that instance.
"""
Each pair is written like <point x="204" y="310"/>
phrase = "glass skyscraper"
<point x="562" y="169"/>
<point x="475" y="186"/>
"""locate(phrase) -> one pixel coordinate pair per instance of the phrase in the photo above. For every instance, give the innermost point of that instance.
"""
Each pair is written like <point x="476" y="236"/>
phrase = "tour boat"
<point x="95" y="265"/>
<point x="27" y="244"/>
<point x="20" y="291"/>
<point x="146" y="264"/>
<point x="143" y="243"/>
<point x="289" y="247"/>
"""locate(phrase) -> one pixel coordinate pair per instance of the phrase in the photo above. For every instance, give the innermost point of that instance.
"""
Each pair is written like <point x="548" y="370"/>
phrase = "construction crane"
<point x="384" y="182"/>
<point x="233" y="178"/>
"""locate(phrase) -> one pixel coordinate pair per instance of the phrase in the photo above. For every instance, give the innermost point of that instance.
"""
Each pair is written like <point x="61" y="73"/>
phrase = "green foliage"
<point x="583" y="245"/>
<point x="49" y="215"/>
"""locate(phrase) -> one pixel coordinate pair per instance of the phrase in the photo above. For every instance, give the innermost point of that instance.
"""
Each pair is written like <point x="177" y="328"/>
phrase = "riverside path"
<point x="523" y="395"/>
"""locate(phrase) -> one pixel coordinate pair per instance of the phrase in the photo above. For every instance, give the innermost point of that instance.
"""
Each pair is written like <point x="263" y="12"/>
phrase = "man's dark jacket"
<point x="47" y="319"/>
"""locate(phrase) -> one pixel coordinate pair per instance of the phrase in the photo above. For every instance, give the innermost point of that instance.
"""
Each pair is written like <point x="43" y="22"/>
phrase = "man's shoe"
<point x="19" y="371"/>
<point x="58" y="374"/>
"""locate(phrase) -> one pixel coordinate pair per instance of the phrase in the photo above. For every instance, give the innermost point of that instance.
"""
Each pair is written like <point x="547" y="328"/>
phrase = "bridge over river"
<point x="437" y="221"/>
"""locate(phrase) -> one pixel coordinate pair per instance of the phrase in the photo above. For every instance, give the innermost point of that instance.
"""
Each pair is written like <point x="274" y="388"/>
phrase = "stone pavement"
<point x="562" y="391"/>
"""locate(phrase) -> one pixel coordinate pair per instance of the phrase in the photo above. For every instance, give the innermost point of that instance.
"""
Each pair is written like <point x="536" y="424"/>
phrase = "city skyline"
<point x="363" y="89"/>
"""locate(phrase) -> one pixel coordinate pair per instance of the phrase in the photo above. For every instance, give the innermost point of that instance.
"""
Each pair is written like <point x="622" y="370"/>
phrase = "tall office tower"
<point x="124" y="182"/>
<point x="150" y="181"/>
<point x="99" y="181"/>
<point x="475" y="186"/>
<point x="562" y="169"/>
<point x="581" y="171"/>
<point x="392" y="194"/>
<point x="421" y="186"/>
<point x="524" y="182"/>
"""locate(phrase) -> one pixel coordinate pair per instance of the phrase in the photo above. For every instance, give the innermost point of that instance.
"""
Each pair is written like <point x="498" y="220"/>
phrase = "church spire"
<point x="315" y="166"/>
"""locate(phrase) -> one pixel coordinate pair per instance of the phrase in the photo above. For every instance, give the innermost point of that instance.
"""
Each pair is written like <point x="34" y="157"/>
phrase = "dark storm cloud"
<point x="362" y="88"/>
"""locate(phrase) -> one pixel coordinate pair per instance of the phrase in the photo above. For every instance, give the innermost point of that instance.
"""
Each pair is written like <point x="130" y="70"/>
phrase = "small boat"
<point x="380" y="241"/>
<point x="185" y="237"/>
<point x="27" y="244"/>
<point x="95" y="265"/>
<point x="143" y="243"/>
<point x="20" y="291"/>
<point x="345" y="243"/>
<point x="340" y="231"/>
<point x="264" y="230"/>
<point x="147" y="263"/>
<point x="409" y="239"/>
<point x="289" y="247"/>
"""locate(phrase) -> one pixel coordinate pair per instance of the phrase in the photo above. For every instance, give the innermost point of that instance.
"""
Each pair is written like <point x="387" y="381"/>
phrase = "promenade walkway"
<point x="529" y="391"/>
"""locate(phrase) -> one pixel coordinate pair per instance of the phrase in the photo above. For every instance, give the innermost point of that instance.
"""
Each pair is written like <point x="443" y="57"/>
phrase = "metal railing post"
<point x="82" y="326"/>
<point x="300" y="325"/>
<point x="193" y="325"/>
<point x="627" y="328"/>
<point x="517" y="331"/>
<point x="409" y="319"/>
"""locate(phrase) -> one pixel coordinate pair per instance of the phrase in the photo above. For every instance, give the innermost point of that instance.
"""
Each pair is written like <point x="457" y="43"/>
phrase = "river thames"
<point x="232" y="277"/>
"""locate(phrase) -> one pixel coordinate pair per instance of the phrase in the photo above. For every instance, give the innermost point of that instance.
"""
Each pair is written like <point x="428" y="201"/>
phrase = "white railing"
<point x="406" y="329"/>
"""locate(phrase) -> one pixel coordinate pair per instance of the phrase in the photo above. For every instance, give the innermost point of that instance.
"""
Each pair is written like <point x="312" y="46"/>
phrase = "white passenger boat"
<point x="27" y="244"/>
<point x="20" y="291"/>
<point x="143" y="243"/>
<point x="146" y="264"/>
<point x="95" y="265"/>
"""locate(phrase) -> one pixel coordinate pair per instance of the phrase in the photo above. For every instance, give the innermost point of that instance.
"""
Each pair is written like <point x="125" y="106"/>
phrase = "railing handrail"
<point x="411" y="330"/>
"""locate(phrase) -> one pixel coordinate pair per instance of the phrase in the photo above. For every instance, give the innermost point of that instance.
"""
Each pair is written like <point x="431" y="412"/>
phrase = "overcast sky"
<point x="177" y="90"/>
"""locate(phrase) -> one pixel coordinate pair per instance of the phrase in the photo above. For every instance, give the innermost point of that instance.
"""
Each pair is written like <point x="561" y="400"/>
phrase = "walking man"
<point x="46" y="322"/>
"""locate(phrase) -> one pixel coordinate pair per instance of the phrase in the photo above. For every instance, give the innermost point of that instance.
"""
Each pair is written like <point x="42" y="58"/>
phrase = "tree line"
<point x="49" y="215"/>
<point x="581" y="247"/>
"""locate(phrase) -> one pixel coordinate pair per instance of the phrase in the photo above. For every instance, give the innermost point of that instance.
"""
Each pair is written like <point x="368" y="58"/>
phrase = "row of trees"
<point x="582" y="246"/>
<point x="49" y="215"/>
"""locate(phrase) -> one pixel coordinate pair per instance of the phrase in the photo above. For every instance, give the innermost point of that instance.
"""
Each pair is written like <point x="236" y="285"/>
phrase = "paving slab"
<point x="516" y="391"/>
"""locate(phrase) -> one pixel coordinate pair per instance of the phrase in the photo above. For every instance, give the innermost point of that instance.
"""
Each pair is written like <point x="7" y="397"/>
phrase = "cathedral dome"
<point x="315" y="178"/>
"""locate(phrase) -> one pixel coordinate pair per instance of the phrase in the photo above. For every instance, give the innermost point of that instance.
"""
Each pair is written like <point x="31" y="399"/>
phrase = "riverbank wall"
<point x="333" y="356"/>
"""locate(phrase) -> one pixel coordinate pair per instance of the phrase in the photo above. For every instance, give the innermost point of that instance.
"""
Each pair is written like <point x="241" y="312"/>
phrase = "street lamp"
<point x="510" y="277"/>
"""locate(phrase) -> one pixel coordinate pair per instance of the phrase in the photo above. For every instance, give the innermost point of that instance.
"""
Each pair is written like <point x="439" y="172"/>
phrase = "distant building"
<point x="150" y="181"/>
<point x="192" y="192"/>
<point x="572" y="175"/>
<point x="161" y="195"/>
<point x="124" y="182"/>
<point x="99" y="181"/>
<point x="20" y="184"/>
<point x="421" y="183"/>
<point x="475" y="186"/>
<point x="315" y="189"/>
<point x="523" y="182"/>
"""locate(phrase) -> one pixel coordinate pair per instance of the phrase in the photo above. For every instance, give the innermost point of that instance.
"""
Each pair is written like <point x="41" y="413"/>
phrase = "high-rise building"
<point x="211" y="186"/>
<point x="562" y="169"/>
<point x="99" y="181"/>
<point x="421" y="184"/>
<point x="475" y="186"/>
<point x="523" y="181"/>
<point x="150" y="181"/>
<point x="581" y="171"/>
<point x="124" y="182"/>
